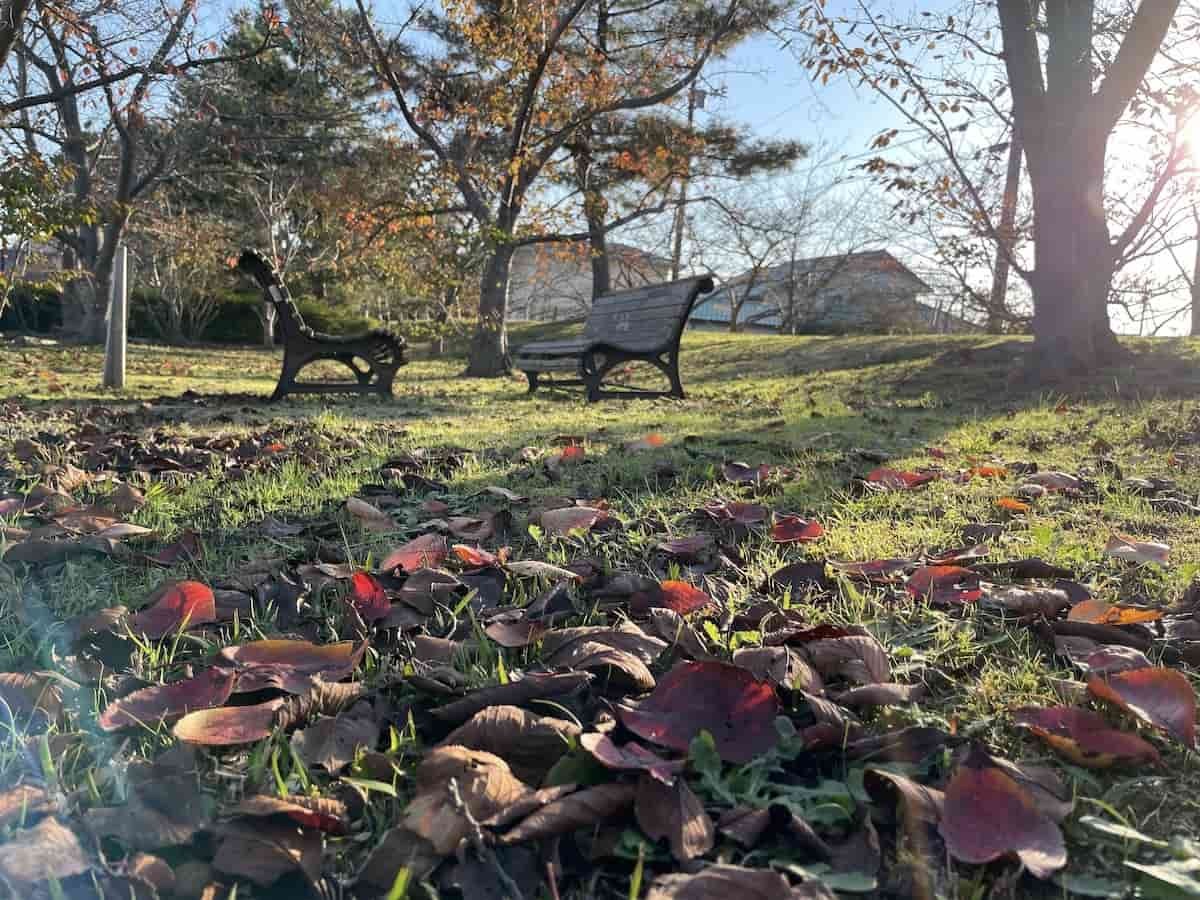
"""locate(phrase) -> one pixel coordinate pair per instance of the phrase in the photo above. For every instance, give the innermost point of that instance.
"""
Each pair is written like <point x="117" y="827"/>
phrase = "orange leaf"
<point x="179" y="605"/>
<point x="1101" y="613"/>
<point x="1162" y="697"/>
<point x="1013" y="505"/>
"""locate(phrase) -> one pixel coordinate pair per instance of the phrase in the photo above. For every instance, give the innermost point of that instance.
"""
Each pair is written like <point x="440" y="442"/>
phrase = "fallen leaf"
<point x="723" y="882"/>
<point x="630" y="757"/>
<point x="263" y="852"/>
<point x="368" y="598"/>
<point x="687" y="548"/>
<point x="177" y="605"/>
<point x="652" y="441"/>
<point x="23" y="803"/>
<point x="1055" y="481"/>
<point x="518" y="691"/>
<point x="1083" y="736"/>
<point x="1013" y="505"/>
<point x="1101" y="613"/>
<point x="1048" y="602"/>
<point x="533" y="568"/>
<point x="740" y="473"/>
<point x="529" y="743"/>
<point x="164" y="702"/>
<point x="427" y="551"/>
<point x="859" y="658"/>
<point x="915" y="801"/>
<point x="45" y="851"/>
<point x="944" y="585"/>
<point x="582" y="809"/>
<point x="673" y="812"/>
<point x="680" y="597"/>
<point x="737" y="709"/>
<point x="988" y="815"/>
<point x="1162" y="697"/>
<point x="289" y="664"/>
<point x="988" y="472"/>
<point x="322" y="813"/>
<point x="884" y="694"/>
<point x="781" y="666"/>
<point x="876" y="570"/>
<point x="228" y="725"/>
<point x="793" y="530"/>
<point x="475" y="556"/>
<point x="895" y="480"/>
<point x="125" y="498"/>
<point x="736" y="512"/>
<point x="1126" y="548"/>
<point x="333" y="741"/>
<point x="571" y="518"/>
<point x="371" y="517"/>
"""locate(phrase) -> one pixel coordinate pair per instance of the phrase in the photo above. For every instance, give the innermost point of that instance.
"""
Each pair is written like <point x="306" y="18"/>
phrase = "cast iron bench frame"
<point x="643" y="324"/>
<point x="380" y="351"/>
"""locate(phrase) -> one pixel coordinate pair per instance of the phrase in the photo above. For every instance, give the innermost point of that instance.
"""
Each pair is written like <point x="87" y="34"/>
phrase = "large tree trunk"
<point x="12" y="20"/>
<point x="489" y="347"/>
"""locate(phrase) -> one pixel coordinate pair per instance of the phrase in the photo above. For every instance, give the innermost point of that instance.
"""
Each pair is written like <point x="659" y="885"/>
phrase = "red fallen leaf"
<point x="290" y="664"/>
<point x="571" y="518"/>
<point x="944" y="584"/>
<point x="652" y="441"/>
<point x="686" y="547"/>
<point x="1162" y="697"/>
<point x="895" y="480"/>
<point x="987" y="815"/>
<point x="727" y="701"/>
<point x="228" y="725"/>
<point x="681" y="597"/>
<point x="1101" y="613"/>
<point x="881" y="570"/>
<point x="572" y="453"/>
<point x="1083" y="736"/>
<point x="793" y="529"/>
<point x="1013" y="505"/>
<point x="145" y="708"/>
<point x="275" y="447"/>
<point x="322" y="813"/>
<point x="368" y="597"/>
<point x="740" y="473"/>
<point x="425" y="552"/>
<point x="988" y="471"/>
<point x="630" y="757"/>
<point x="186" y="547"/>
<point x="179" y="605"/>
<point x="475" y="556"/>
<point x="736" y="511"/>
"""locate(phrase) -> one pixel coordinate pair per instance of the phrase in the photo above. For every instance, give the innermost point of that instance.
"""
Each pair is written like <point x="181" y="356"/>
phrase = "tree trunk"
<point x="489" y="347"/>
<point x="601" y="267"/>
<point x="1073" y="262"/>
<point x="998" y="301"/>
<point x="267" y="316"/>
<point x="1196" y="279"/>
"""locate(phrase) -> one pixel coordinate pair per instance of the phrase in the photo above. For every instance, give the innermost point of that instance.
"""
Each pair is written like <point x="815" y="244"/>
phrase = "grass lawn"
<point x="260" y="493"/>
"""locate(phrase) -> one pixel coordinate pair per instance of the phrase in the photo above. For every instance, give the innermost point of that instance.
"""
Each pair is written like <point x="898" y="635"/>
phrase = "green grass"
<point x="806" y="403"/>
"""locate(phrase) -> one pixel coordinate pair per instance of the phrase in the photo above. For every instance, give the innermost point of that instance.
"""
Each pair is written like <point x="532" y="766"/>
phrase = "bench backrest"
<point x="274" y="291"/>
<point x="646" y="319"/>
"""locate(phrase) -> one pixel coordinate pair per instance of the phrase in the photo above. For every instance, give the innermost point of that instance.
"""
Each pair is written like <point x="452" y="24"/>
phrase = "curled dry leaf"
<point x="725" y="700"/>
<point x="529" y="743"/>
<point x="1101" y="613"/>
<point x="722" y="882"/>
<point x="736" y="512"/>
<point x="895" y="480"/>
<point x="290" y="665"/>
<point x="944" y="585"/>
<point x="32" y="697"/>
<point x="1126" y="548"/>
<point x="372" y="517"/>
<point x="782" y="666"/>
<point x="263" y="852"/>
<point x="228" y="725"/>
<point x="630" y="757"/>
<point x="877" y="570"/>
<point x="368" y="598"/>
<point x="485" y="786"/>
<point x="177" y="605"/>
<point x="425" y="552"/>
<point x="535" y="568"/>
<point x="987" y="815"/>
<point x="792" y="529"/>
<point x="859" y="658"/>
<point x="740" y="473"/>
<point x="914" y="802"/>
<point x="1083" y="736"/>
<point x="1055" y="481"/>
<point x="571" y="518"/>
<point x="475" y="556"/>
<point x="1013" y="505"/>
<point x="1026" y="601"/>
<point x="34" y="855"/>
<point x="1162" y="697"/>
<point x="686" y="548"/>
<point x="673" y="812"/>
<point x="149" y="706"/>
<point x="582" y="809"/>
<point x="322" y="813"/>
<point x="332" y="742"/>
<point x="886" y="694"/>
<point x="524" y="690"/>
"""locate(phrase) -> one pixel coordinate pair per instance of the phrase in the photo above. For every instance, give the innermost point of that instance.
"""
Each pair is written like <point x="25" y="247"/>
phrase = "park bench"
<point x="641" y="324"/>
<point x="373" y="357"/>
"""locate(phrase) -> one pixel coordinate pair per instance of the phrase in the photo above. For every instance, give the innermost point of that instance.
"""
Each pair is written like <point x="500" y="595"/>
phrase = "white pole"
<point x="118" y="312"/>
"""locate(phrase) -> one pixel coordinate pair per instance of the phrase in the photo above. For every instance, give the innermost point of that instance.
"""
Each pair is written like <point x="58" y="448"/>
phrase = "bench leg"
<point x="672" y="370"/>
<point x="287" y="379"/>
<point x="532" y="378"/>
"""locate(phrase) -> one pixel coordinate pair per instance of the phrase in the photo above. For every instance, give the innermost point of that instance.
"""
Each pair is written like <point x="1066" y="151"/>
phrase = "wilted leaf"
<point x="630" y="757"/>
<point x="988" y="471"/>
<point x="582" y="809"/>
<point x="740" y="473"/>
<point x="571" y="518"/>
<point x="724" y="882"/>
<point x="322" y="813"/>
<point x="529" y="743"/>
<point x="125" y="498"/>
<point x="519" y="633"/>
<point x="516" y="692"/>
<point x="1083" y="736"/>
<point x="1101" y="613"/>
<point x="885" y="694"/>
<point x="673" y="812"/>
<point x="533" y="568"/>
<point x="736" y="512"/>
<point x="914" y="801"/>
<point x="944" y="585"/>
<point x="263" y="852"/>
<point x="34" y="698"/>
<point x="147" y="707"/>
<point x="332" y="741"/>
<point x="1048" y="602"/>
<point x="177" y="605"/>
<point x="290" y="665"/>
<point x="687" y="548"/>
<point x="988" y="815"/>
<point x="485" y="786"/>
<point x="680" y="597"/>
<point x="1055" y="481"/>
<point x="1126" y="548"/>
<point x="24" y="803"/>
<point x="475" y="556"/>
<point x="878" y="570"/>
<point x="1013" y="505"/>
<point x="368" y="598"/>
<point x="895" y="480"/>
<point x="855" y="657"/>
<point x="228" y="725"/>
<point x="1162" y="697"/>
<point x="652" y="441"/>
<point x="793" y="530"/>
<point x="782" y="666"/>
<point x="727" y="701"/>
<point x="427" y="551"/>
<point x="371" y="517"/>
<point x="48" y="850"/>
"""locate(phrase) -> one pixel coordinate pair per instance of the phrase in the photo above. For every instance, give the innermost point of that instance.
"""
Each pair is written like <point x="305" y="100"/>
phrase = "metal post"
<point x="117" y="319"/>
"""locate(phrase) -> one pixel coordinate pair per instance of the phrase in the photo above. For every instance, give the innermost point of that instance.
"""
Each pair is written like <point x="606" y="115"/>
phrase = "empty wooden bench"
<point x="373" y="357"/>
<point x="642" y="324"/>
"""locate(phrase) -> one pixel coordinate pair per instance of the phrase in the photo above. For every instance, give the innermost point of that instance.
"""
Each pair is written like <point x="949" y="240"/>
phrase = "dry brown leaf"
<point x="263" y="852"/>
<point x="48" y="850"/>
<point x="332" y="741"/>
<point x="529" y="743"/>
<point x="675" y="813"/>
<point x="579" y="810"/>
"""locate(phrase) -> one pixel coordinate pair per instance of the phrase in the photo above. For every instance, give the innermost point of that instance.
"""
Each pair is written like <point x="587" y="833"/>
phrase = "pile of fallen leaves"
<point x="522" y="728"/>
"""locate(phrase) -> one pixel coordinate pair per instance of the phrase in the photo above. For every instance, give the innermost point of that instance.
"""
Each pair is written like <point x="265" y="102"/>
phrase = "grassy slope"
<point x="804" y="402"/>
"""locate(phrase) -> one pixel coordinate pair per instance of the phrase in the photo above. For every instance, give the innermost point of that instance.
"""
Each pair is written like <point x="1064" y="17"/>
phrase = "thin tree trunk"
<point x="12" y="19"/>
<point x="997" y="303"/>
<point x="489" y="347"/>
